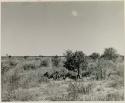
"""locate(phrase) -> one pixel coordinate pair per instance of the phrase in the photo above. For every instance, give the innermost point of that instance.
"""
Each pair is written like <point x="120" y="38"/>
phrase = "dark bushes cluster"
<point x="79" y="65"/>
<point x="62" y="74"/>
<point x="56" y="74"/>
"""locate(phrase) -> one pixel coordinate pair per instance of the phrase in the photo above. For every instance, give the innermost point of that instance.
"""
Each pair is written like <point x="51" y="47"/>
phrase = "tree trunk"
<point x="78" y="75"/>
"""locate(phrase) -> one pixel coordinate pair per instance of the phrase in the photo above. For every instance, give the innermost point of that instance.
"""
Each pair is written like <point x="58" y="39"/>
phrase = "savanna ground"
<point x="24" y="79"/>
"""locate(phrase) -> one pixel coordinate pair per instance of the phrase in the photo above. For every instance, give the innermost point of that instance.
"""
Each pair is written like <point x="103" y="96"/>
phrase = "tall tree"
<point x="110" y="54"/>
<point x="75" y="61"/>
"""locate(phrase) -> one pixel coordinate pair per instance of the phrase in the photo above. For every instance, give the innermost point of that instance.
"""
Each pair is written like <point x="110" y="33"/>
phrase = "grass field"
<point x="23" y="80"/>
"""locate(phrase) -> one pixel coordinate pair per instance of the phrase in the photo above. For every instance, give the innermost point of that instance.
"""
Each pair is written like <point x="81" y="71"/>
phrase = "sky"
<point x="50" y="28"/>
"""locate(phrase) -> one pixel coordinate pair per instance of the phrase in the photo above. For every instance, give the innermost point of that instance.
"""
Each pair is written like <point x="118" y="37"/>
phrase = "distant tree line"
<point x="77" y="62"/>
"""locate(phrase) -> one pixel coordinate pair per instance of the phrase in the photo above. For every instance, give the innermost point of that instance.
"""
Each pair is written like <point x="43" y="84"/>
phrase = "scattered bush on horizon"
<point x="26" y="57"/>
<point x="110" y="54"/>
<point x="95" y="56"/>
<point x="25" y="75"/>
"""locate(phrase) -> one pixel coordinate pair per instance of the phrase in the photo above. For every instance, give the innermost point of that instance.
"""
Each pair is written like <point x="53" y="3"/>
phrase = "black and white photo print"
<point x="62" y="51"/>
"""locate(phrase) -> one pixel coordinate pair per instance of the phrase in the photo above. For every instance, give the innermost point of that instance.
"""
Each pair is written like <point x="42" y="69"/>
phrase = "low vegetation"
<point x="74" y="77"/>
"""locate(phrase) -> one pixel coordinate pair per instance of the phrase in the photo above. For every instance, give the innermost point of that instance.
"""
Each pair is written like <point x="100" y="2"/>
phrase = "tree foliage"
<point x="75" y="61"/>
<point x="110" y="54"/>
<point x="95" y="56"/>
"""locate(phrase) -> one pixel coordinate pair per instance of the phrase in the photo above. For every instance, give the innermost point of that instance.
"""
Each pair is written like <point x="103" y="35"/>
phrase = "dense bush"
<point x="110" y="54"/>
<point x="72" y="75"/>
<point x="75" y="61"/>
<point x="61" y="74"/>
<point x="95" y="56"/>
<point x="56" y="74"/>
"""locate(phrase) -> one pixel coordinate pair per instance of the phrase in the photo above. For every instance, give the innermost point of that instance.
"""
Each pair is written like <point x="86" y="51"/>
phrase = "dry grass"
<point x="19" y="84"/>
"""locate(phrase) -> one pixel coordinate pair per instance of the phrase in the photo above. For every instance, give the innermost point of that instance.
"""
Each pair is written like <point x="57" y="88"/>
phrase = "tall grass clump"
<point x="8" y="64"/>
<point x="77" y="88"/>
<point x="31" y="64"/>
<point x="105" y="69"/>
<point x="10" y="82"/>
<point x="44" y="63"/>
<point x="56" y="60"/>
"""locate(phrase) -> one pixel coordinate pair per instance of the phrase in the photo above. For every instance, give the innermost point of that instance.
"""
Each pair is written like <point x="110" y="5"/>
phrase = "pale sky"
<point x="51" y="28"/>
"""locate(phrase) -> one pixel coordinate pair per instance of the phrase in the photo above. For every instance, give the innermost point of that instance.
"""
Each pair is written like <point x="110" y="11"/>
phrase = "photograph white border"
<point x="57" y="101"/>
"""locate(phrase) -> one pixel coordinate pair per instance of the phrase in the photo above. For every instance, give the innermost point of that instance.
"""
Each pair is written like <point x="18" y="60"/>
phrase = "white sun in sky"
<point x="74" y="13"/>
